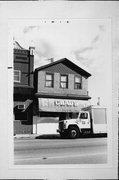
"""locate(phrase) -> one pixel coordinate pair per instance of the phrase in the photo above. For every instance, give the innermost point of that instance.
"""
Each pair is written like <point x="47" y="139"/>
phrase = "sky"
<point x="85" y="42"/>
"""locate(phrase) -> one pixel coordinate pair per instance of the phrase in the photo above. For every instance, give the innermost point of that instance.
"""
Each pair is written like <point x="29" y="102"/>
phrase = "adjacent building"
<point x="61" y="90"/>
<point x="23" y="89"/>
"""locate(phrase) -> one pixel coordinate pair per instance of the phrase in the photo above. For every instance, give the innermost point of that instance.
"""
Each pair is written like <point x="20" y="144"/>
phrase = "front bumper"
<point x="62" y="131"/>
<point x="58" y="130"/>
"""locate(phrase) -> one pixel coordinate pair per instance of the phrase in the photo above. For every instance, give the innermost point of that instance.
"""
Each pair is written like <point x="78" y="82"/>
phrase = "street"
<point x="60" y="151"/>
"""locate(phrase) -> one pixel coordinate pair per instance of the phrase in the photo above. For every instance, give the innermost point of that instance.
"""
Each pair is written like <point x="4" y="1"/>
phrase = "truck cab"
<point x="90" y="120"/>
<point x="74" y="127"/>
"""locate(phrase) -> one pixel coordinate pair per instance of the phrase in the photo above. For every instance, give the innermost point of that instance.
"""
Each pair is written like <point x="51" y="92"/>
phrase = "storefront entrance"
<point x="51" y="111"/>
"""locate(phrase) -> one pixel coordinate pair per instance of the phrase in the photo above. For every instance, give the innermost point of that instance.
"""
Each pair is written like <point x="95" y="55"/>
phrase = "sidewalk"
<point x="37" y="136"/>
<point x="32" y="136"/>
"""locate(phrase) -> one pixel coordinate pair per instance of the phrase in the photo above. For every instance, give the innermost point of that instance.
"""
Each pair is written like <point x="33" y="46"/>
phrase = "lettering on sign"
<point x="61" y="105"/>
<point x="65" y="103"/>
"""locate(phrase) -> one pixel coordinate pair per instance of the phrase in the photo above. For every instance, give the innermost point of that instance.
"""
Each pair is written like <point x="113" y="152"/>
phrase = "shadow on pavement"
<point x="48" y="136"/>
<point x="57" y="136"/>
<point x="93" y="135"/>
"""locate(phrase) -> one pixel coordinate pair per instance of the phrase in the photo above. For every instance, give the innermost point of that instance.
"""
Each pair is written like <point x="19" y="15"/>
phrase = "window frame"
<point x="52" y="74"/>
<point x="75" y="83"/>
<point x="19" y="75"/>
<point x="64" y="81"/>
<point x="84" y="115"/>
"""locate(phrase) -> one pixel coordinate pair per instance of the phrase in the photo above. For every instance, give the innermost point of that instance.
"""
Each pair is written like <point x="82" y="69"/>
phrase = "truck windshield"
<point x="83" y="115"/>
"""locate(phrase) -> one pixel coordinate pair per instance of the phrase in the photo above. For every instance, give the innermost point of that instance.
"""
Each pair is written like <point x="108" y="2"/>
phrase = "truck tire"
<point x="73" y="132"/>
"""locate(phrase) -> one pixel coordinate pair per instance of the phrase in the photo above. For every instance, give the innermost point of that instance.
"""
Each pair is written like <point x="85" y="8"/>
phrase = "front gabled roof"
<point x="68" y="63"/>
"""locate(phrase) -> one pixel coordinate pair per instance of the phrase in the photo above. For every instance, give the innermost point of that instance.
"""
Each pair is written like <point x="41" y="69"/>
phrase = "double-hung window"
<point x="17" y="76"/>
<point x="64" y="81"/>
<point x="49" y="80"/>
<point x="77" y="82"/>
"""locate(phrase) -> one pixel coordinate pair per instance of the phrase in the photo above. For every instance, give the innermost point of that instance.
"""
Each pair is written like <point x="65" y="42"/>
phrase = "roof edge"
<point x="63" y="96"/>
<point x="59" y="61"/>
<point x="18" y="46"/>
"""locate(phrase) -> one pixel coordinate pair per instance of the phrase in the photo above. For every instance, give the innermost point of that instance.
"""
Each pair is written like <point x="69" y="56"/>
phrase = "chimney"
<point x="31" y="63"/>
<point x="31" y="49"/>
<point x="51" y="60"/>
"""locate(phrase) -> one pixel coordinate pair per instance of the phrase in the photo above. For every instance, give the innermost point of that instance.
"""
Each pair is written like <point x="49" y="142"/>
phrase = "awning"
<point x="61" y="105"/>
<point x="25" y="104"/>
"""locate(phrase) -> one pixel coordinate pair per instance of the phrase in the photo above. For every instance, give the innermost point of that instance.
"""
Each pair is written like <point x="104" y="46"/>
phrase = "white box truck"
<point x="90" y="120"/>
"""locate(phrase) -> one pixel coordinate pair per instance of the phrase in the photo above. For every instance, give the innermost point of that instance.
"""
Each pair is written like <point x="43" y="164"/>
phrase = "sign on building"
<point x="61" y="105"/>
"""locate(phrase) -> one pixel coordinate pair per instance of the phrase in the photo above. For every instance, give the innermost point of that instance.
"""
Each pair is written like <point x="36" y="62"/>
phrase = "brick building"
<point x="23" y="89"/>
<point x="61" y="90"/>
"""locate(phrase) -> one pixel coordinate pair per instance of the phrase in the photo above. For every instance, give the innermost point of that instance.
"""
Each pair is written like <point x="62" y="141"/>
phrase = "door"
<point x="84" y="119"/>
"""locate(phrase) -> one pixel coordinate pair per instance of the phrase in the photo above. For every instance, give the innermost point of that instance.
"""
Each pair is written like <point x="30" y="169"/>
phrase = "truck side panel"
<point x="99" y="120"/>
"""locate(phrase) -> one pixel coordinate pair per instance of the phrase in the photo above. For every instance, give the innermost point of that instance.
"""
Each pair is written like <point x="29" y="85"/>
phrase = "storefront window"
<point x="64" y="81"/>
<point x="21" y="116"/>
<point x="77" y="83"/>
<point x="49" y="80"/>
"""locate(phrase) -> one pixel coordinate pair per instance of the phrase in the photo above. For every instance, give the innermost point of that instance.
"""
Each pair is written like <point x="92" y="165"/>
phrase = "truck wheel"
<point x="73" y="132"/>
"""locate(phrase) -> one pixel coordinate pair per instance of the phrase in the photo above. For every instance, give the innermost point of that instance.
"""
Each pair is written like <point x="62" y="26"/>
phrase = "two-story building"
<point x="61" y="90"/>
<point x="23" y="89"/>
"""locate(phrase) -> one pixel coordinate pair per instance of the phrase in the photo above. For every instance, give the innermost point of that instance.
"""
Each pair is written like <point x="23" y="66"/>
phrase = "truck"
<point x="90" y="120"/>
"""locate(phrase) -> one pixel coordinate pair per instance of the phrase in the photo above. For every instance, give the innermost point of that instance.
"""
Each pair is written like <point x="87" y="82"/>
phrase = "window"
<point x="72" y="115"/>
<point x="77" y="82"/>
<point x="84" y="116"/>
<point x="17" y="76"/>
<point x="49" y="80"/>
<point x="64" y="81"/>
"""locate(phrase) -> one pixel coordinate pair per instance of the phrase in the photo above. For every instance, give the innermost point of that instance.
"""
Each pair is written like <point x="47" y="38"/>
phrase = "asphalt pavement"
<point x="54" y="150"/>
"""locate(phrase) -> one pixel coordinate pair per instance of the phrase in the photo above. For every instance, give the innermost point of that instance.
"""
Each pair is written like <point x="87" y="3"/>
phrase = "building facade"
<point x="61" y="90"/>
<point x="23" y="89"/>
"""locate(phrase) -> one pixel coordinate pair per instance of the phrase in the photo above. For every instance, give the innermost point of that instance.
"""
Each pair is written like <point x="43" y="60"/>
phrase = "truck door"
<point x="84" y="120"/>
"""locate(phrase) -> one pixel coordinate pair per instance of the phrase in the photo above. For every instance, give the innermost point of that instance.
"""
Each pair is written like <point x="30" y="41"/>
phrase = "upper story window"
<point x="64" y="81"/>
<point x="17" y="76"/>
<point x="77" y="82"/>
<point x="49" y="80"/>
